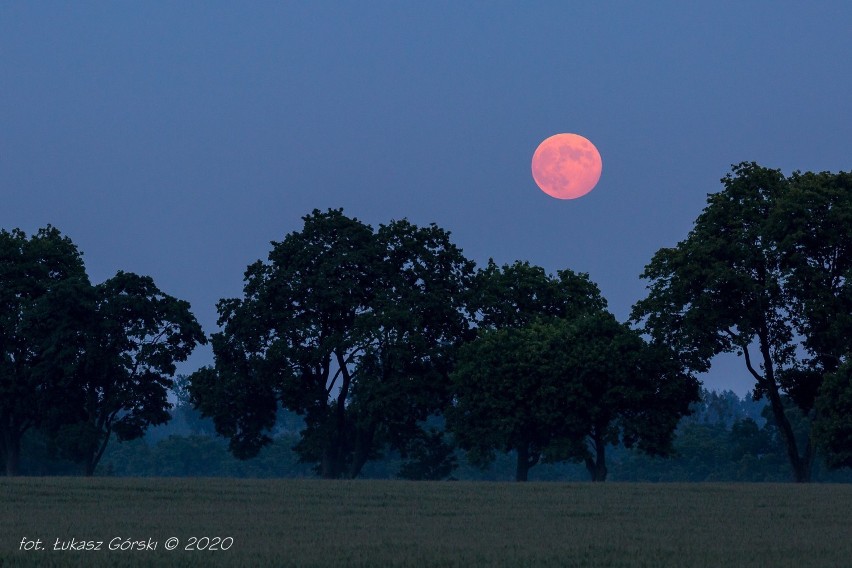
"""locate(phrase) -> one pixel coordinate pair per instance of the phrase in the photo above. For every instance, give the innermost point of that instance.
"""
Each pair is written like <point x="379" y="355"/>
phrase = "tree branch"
<point x="757" y="376"/>
<point x="331" y="384"/>
<point x="737" y="340"/>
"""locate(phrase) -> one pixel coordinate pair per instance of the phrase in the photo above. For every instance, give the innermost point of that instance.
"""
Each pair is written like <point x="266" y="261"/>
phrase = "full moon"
<point x="566" y="166"/>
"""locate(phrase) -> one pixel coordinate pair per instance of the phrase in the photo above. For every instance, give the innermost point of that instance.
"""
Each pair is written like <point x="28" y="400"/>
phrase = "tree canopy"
<point x="506" y="397"/>
<point x="620" y="389"/>
<point x="352" y="328"/>
<point x="833" y="430"/>
<point x="31" y="271"/>
<point x="82" y="362"/>
<point x="763" y="273"/>
<point x="128" y="336"/>
<point x="514" y="295"/>
<point x="563" y="389"/>
<point x="498" y="379"/>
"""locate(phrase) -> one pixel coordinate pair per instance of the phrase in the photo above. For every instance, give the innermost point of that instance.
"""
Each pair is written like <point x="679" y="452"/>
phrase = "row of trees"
<point x="518" y="360"/>
<point x="384" y="340"/>
<point x="367" y="334"/>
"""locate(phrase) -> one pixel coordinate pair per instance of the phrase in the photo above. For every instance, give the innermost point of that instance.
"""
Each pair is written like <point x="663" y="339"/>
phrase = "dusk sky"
<point x="178" y="139"/>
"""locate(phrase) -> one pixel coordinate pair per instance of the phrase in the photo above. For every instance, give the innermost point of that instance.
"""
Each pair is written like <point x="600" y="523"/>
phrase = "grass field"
<point x="387" y="523"/>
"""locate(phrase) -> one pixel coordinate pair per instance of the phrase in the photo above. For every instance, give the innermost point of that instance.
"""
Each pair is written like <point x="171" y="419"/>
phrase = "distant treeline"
<point x="727" y="438"/>
<point x="359" y="351"/>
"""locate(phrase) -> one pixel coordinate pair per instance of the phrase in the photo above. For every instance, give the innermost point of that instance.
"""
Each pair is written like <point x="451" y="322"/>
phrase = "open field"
<point x="387" y="523"/>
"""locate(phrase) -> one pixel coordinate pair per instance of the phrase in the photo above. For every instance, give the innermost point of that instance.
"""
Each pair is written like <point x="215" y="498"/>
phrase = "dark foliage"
<point x="764" y="273"/>
<point x="354" y="329"/>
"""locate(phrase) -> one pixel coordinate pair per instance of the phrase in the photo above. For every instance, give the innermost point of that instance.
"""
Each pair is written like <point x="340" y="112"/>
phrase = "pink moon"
<point x="566" y="166"/>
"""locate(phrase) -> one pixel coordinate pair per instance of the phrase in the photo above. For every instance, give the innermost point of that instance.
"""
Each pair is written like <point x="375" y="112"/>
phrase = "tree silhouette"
<point x="763" y="273"/>
<point x="352" y="328"/>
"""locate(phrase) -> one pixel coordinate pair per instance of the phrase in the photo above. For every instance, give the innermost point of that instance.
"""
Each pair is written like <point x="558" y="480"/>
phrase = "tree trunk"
<point x="332" y="465"/>
<point x="96" y="453"/>
<point x="363" y="447"/>
<point x="12" y="463"/>
<point x="12" y="453"/>
<point x="801" y="467"/>
<point x="523" y="467"/>
<point x="808" y="461"/>
<point x="338" y="441"/>
<point x="327" y="469"/>
<point x="597" y="466"/>
<point x="526" y="460"/>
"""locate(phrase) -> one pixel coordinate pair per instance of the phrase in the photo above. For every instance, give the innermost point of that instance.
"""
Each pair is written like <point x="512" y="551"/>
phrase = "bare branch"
<point x="757" y="376"/>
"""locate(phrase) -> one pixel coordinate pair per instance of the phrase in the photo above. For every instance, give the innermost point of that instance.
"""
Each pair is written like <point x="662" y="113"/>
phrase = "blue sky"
<point x="177" y="139"/>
